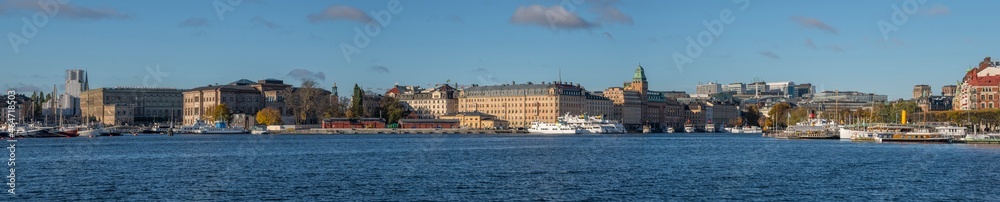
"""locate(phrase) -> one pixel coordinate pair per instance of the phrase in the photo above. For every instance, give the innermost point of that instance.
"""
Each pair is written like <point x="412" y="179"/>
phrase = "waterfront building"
<point x="935" y="103"/>
<point x="426" y="103"/>
<point x="477" y="120"/>
<point x="428" y="123"/>
<point x="352" y="123"/>
<point x="627" y="106"/>
<point x="949" y="90"/>
<point x="241" y="97"/>
<point x="595" y="104"/>
<point x="131" y="105"/>
<point x="709" y="89"/>
<point x="522" y="104"/>
<point x="921" y="91"/>
<point x="978" y="89"/>
<point x="734" y="88"/>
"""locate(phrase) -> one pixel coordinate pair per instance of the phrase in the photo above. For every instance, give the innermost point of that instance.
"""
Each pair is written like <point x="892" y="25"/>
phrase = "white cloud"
<point x="555" y="17"/>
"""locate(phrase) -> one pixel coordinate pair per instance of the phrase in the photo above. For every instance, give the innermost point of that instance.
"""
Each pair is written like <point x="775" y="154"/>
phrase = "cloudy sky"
<point x="883" y="46"/>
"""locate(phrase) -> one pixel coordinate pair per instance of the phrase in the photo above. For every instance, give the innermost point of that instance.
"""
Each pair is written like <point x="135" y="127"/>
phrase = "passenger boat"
<point x="914" y="137"/>
<point x="593" y="124"/>
<point x="710" y="128"/>
<point x="553" y="128"/>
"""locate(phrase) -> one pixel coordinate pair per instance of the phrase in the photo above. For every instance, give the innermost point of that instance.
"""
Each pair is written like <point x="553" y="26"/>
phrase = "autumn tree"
<point x="218" y="113"/>
<point x="779" y="114"/>
<point x="269" y="116"/>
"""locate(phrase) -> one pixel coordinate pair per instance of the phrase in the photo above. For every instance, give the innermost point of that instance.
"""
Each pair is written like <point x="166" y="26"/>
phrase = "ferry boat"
<point x="553" y="128"/>
<point x="593" y="124"/>
<point x="952" y="131"/>
<point x="904" y="133"/>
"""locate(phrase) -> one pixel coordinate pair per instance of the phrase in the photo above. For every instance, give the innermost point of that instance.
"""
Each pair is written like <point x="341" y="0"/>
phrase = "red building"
<point x="354" y="123"/>
<point x="428" y="123"/>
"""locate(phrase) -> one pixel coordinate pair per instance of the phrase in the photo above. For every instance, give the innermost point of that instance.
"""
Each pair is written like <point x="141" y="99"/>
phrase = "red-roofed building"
<point x="979" y="87"/>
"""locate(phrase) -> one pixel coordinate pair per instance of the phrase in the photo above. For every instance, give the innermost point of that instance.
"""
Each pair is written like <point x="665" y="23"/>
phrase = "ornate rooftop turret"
<point x="640" y="74"/>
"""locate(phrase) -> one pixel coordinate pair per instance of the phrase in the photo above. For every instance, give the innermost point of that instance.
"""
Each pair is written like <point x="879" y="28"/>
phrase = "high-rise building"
<point x="921" y="91"/>
<point x="68" y="103"/>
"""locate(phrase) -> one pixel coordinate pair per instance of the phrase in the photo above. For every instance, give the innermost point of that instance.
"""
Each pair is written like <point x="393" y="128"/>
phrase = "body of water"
<point x="497" y="167"/>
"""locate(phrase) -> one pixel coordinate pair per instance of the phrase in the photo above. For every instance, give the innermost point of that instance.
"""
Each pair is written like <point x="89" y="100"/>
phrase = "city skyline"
<point x="595" y="43"/>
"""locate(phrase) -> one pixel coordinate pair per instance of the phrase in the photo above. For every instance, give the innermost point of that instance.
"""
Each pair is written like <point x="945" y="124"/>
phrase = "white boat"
<point x="852" y="132"/>
<point x="733" y="129"/>
<point x="670" y="130"/>
<point x="710" y="128"/>
<point x="200" y="127"/>
<point x="751" y="129"/>
<point x="553" y="128"/>
<point x="259" y="131"/>
<point x="593" y="124"/>
<point x="95" y="131"/>
<point x="689" y="128"/>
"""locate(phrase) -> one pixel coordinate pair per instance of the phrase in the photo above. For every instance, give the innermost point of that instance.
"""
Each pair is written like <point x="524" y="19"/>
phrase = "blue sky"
<point x="831" y="44"/>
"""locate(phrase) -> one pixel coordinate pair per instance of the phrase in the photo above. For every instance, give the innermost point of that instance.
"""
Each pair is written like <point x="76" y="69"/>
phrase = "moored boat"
<point x="553" y="128"/>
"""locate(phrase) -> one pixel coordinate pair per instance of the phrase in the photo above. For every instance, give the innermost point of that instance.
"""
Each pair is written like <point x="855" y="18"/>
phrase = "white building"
<point x="786" y="88"/>
<point x="708" y="89"/>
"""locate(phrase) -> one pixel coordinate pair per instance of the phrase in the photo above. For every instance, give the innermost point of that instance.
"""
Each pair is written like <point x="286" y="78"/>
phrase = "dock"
<point x="318" y="131"/>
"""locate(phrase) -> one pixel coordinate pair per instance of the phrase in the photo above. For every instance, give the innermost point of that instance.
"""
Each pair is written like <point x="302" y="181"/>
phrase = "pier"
<point x="318" y="131"/>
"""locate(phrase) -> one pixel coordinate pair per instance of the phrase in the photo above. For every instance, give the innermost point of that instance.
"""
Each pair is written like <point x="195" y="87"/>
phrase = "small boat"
<point x="259" y="130"/>
<point x="751" y="129"/>
<point x="689" y="128"/>
<point x="670" y="130"/>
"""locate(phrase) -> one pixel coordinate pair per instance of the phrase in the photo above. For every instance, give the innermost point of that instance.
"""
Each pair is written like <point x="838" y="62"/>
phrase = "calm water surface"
<point x="497" y="167"/>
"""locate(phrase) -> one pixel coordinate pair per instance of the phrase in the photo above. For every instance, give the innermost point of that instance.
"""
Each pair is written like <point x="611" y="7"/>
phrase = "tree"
<point x="218" y="113"/>
<point x="779" y="114"/>
<point x="392" y="110"/>
<point x="307" y="103"/>
<point x="751" y="116"/>
<point x="269" y="116"/>
<point x="357" y="108"/>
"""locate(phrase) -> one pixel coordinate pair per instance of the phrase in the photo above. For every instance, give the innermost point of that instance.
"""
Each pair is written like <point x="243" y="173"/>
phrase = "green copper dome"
<point x="640" y="74"/>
